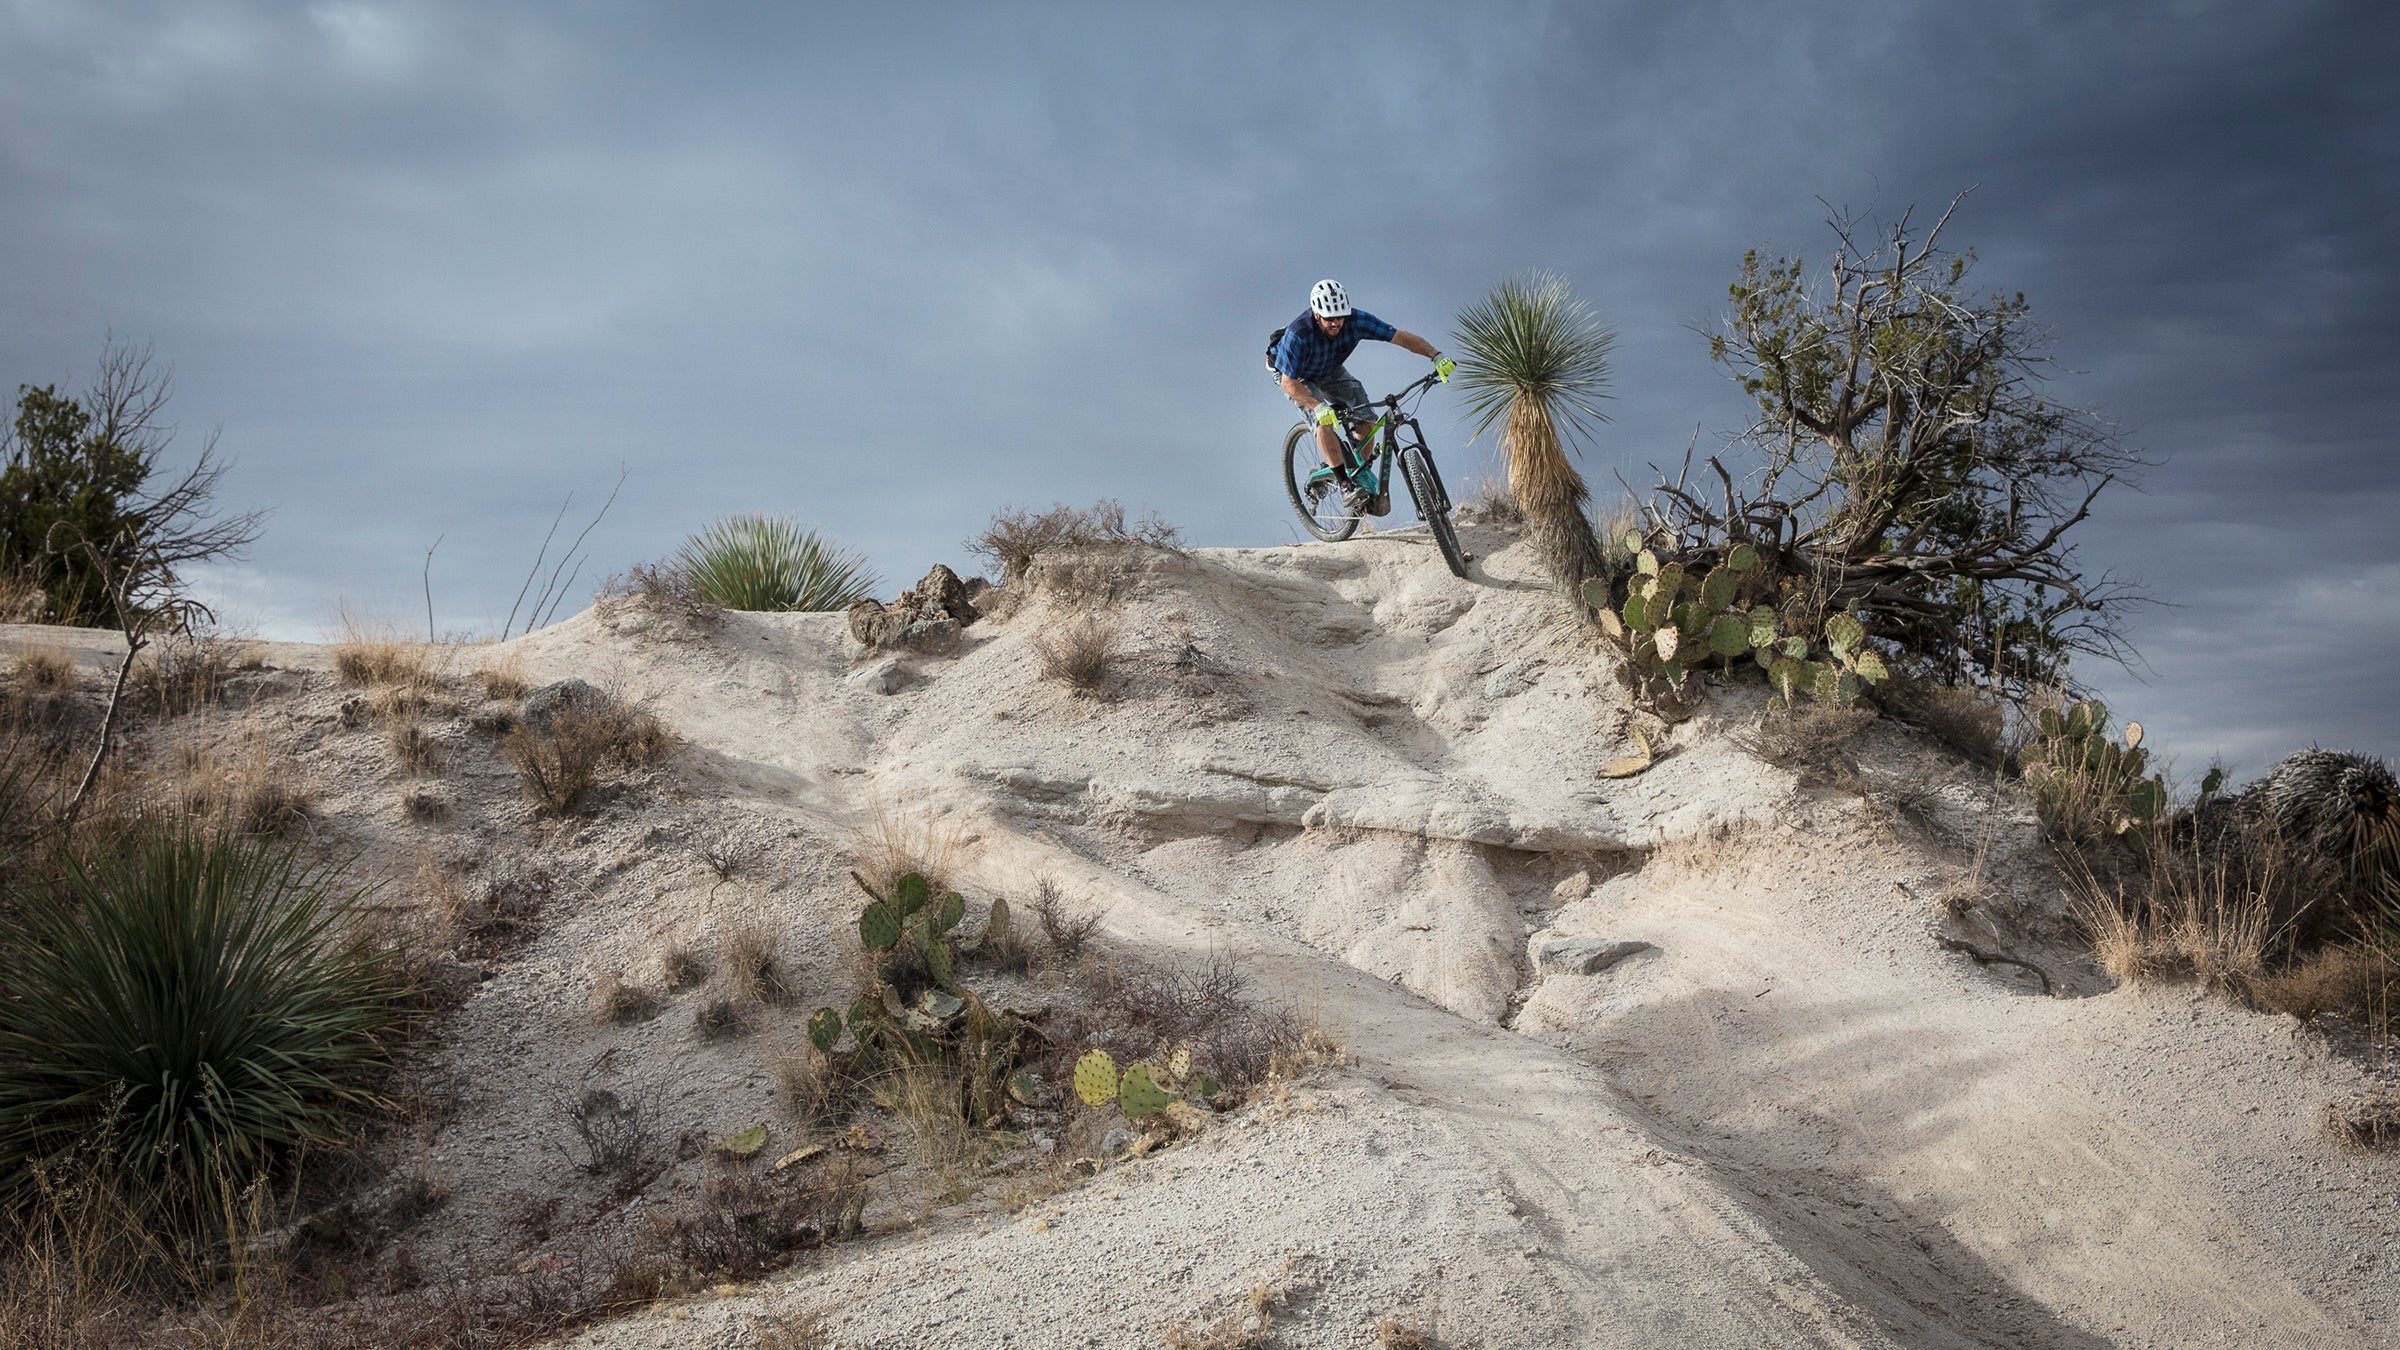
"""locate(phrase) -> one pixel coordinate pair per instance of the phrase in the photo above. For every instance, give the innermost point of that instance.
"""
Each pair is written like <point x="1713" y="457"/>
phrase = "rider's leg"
<point x="1343" y="391"/>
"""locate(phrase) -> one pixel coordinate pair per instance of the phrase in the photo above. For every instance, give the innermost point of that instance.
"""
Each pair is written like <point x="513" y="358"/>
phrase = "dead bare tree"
<point x="1911" y="470"/>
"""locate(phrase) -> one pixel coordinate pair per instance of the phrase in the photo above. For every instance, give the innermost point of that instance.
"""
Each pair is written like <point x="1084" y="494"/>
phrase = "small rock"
<point x="552" y="699"/>
<point x="884" y="677"/>
<point x="1584" y="955"/>
<point x="1574" y="888"/>
<point x="1116" y="1141"/>
<point x="933" y="637"/>
<point x="1513" y="678"/>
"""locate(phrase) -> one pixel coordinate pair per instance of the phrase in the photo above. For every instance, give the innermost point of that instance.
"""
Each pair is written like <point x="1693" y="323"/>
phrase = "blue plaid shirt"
<point x="1307" y="354"/>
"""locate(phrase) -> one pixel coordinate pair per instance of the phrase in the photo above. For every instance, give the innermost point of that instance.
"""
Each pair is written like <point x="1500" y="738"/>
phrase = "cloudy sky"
<point x="431" y="267"/>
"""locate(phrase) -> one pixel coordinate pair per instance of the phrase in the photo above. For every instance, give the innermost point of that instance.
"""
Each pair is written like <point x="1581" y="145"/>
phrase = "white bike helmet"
<point x="1329" y="300"/>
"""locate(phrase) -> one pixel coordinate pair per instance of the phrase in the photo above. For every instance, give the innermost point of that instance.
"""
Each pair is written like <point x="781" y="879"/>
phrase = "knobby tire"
<point x="1434" y="505"/>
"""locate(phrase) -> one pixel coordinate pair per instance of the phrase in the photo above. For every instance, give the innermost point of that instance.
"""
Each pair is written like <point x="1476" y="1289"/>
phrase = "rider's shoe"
<point x="1362" y="502"/>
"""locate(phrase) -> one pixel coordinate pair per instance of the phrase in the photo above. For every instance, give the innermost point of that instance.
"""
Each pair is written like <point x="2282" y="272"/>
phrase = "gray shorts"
<point x="1338" y="389"/>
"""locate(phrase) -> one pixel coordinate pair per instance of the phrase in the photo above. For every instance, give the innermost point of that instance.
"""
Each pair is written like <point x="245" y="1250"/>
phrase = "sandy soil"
<point x="1792" y="1119"/>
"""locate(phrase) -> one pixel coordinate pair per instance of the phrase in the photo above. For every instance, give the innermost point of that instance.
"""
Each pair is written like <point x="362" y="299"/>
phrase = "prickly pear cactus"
<point x="944" y="912"/>
<point x="995" y="928"/>
<point x="879" y="927"/>
<point x="1140" y="1095"/>
<point x="1096" y="1078"/>
<point x="2073" y="759"/>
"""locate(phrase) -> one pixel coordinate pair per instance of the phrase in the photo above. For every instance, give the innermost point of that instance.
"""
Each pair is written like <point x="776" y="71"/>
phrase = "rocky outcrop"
<point x="928" y="618"/>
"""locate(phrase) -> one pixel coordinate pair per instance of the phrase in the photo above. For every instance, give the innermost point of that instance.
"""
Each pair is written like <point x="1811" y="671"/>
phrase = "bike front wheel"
<point x="1319" y="504"/>
<point x="1433" y="505"/>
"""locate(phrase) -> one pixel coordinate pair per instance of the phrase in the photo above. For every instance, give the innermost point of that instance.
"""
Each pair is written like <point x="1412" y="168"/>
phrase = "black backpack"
<point x="1274" y="340"/>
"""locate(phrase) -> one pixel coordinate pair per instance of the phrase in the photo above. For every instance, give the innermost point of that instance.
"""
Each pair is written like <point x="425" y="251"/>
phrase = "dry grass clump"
<point x="22" y="599"/>
<point x="489" y="917"/>
<point x="667" y="588"/>
<point x="724" y="853"/>
<point x="1393" y="1334"/>
<point x="1080" y="654"/>
<point x="190" y="669"/>
<point x="895" y="843"/>
<point x="1807" y="736"/>
<point x="681" y="965"/>
<point x="1969" y="720"/>
<point x="2361" y="983"/>
<point x="810" y="1089"/>
<point x="1249" y="1325"/>
<point x="1490" y="502"/>
<point x="615" y="1001"/>
<point x="750" y="961"/>
<point x="924" y="1100"/>
<point x="503" y="676"/>
<point x="424" y="805"/>
<point x="2197" y="915"/>
<point x="722" y="1014"/>
<point x="412" y="745"/>
<point x="374" y="653"/>
<point x="250" y="792"/>
<point x="44" y="669"/>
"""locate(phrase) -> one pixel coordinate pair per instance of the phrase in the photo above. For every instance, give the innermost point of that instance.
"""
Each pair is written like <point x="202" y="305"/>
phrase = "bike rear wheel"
<point x="1433" y="504"/>
<point x="1320" y="505"/>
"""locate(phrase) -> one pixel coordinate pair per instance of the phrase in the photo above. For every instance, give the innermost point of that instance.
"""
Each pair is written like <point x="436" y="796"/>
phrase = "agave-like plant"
<point x="769" y="563"/>
<point x="1537" y="357"/>
<point x="193" y="1003"/>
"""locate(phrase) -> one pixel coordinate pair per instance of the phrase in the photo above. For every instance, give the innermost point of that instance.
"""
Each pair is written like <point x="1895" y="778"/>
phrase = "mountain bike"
<point x="1392" y="438"/>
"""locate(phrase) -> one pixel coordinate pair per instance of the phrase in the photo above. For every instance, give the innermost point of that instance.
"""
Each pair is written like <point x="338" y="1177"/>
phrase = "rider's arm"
<point x="1409" y="341"/>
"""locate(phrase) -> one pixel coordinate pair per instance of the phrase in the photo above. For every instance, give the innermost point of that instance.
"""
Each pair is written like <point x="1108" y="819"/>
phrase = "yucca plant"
<point x="1536" y="361"/>
<point x="769" y="563"/>
<point x="195" y="996"/>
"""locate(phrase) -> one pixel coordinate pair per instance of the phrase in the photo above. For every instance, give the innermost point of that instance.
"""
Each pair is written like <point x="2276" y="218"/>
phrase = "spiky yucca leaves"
<point x="761" y="562"/>
<point x="1538" y="357"/>
<point x="196" y="998"/>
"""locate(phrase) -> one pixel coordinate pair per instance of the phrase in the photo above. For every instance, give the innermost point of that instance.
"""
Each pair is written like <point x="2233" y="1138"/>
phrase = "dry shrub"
<point x="748" y="1221"/>
<point x="805" y="1079"/>
<point x="1969" y="720"/>
<point x="2371" y="1124"/>
<point x="1017" y="538"/>
<point x="1393" y="1334"/>
<point x="1144" y="1009"/>
<point x="1807" y="736"/>
<point x="562" y="761"/>
<point x="1080" y="654"/>
<point x="617" y="1136"/>
<point x="803" y="1329"/>
<point x="724" y="853"/>
<point x="190" y="669"/>
<point x="45" y="669"/>
<point x="895" y="843"/>
<point x="1068" y="934"/>
<point x="502" y="676"/>
<point x="615" y="1001"/>
<point x="1248" y="1326"/>
<point x="722" y="1014"/>
<point x="666" y="588"/>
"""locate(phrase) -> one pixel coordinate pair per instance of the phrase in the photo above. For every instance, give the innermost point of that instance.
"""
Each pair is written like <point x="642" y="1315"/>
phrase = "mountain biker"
<point x="1308" y="359"/>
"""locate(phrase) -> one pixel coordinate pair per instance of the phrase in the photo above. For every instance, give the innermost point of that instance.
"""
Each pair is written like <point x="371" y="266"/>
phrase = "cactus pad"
<point x="1096" y="1078"/>
<point x="945" y="912"/>
<point x="1646" y="563"/>
<point x="911" y="892"/>
<point x="2133" y="735"/>
<point x="825" y="1030"/>
<point x="995" y="928"/>
<point x="1870" y="668"/>
<point x="937" y="961"/>
<point x="1742" y="558"/>
<point x="1179" y="1064"/>
<point x="1611" y="625"/>
<point x="1716" y="589"/>
<point x="1139" y="1095"/>
<point x="1843" y="633"/>
<point x="1668" y="639"/>
<point x="879" y="927"/>
<point x="1729" y="636"/>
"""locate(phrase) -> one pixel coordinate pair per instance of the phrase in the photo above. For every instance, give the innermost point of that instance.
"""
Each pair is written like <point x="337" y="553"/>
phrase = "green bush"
<point x="194" y="996"/>
<point x="762" y="562"/>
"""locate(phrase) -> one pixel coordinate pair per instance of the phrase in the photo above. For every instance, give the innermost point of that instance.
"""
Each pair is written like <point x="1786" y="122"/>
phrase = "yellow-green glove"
<point x="1442" y="366"/>
<point x="1325" y="414"/>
